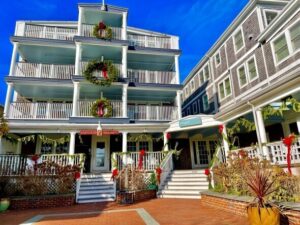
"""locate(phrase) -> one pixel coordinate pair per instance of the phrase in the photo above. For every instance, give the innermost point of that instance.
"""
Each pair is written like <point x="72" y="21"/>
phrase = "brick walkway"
<point x="158" y="211"/>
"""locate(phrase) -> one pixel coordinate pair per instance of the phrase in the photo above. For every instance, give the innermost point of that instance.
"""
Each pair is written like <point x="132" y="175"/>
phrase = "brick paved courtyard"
<point x="158" y="211"/>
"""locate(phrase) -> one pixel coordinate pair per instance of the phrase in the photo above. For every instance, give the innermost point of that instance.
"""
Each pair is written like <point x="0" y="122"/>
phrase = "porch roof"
<point x="193" y="122"/>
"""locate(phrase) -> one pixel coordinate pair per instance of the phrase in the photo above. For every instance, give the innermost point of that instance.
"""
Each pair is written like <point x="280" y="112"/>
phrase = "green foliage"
<point x="106" y="33"/>
<point x="3" y="126"/>
<point x="152" y="182"/>
<point x="106" y="105"/>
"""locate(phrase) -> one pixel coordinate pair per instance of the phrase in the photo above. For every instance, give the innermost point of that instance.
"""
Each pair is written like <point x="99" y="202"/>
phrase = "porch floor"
<point x="154" y="212"/>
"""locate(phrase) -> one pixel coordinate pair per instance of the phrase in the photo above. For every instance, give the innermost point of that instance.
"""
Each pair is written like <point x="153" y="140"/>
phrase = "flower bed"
<point x="237" y="205"/>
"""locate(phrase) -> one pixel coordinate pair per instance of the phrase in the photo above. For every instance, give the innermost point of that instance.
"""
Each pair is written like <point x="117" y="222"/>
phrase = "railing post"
<point x="13" y="59"/>
<point x="124" y="100"/>
<point x="260" y="126"/>
<point x="72" y="143"/>
<point x="177" y="69"/>
<point x="76" y="95"/>
<point x="7" y="99"/>
<point x="124" y="26"/>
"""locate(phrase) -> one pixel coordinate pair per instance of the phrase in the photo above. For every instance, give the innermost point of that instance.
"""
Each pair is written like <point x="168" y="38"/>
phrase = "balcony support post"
<point x="177" y="69"/>
<point x="124" y="100"/>
<point x="13" y="59"/>
<point x="124" y="26"/>
<point x="179" y="110"/>
<point x="76" y="95"/>
<point x="72" y="143"/>
<point x="124" y="61"/>
<point x="8" y="99"/>
<point x="262" y="135"/>
<point x="80" y="21"/>
<point x="78" y="58"/>
<point x="166" y="145"/>
<point x="298" y="125"/>
<point x="225" y="141"/>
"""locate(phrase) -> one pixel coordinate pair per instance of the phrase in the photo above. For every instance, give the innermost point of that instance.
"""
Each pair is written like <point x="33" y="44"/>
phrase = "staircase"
<point x="184" y="184"/>
<point x="96" y="188"/>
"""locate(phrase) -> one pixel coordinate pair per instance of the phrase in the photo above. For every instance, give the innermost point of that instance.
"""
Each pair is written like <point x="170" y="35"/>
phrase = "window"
<point x="62" y="148"/>
<point x="201" y="77"/>
<point x="270" y="15"/>
<point x="281" y="48"/>
<point x="242" y="76"/>
<point x="192" y="85"/>
<point x="218" y="59"/>
<point x="227" y="87"/>
<point x="195" y="111"/>
<point x="205" y="102"/>
<point x="188" y="111"/>
<point x="206" y="73"/>
<point x="131" y="146"/>
<point x="144" y="145"/>
<point x="222" y="91"/>
<point x="252" y="69"/>
<point x="295" y="36"/>
<point x="238" y="40"/>
<point x="46" y="148"/>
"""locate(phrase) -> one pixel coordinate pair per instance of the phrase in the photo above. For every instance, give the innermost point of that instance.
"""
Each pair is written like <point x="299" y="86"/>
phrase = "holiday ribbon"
<point x="141" y="159"/>
<point x="100" y="111"/>
<point x="104" y="71"/>
<point x="207" y="172"/>
<point x="35" y="158"/>
<point x="288" y="141"/>
<point x="77" y="175"/>
<point x="114" y="174"/>
<point x="168" y="136"/>
<point x="221" y="128"/>
<point x="158" y="173"/>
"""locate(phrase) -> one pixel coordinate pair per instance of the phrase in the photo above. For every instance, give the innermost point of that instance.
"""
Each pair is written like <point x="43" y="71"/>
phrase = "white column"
<point x="78" y="59"/>
<point x="179" y="109"/>
<point x="124" y="141"/>
<point x="7" y="99"/>
<point x="124" y="26"/>
<point x="38" y="145"/>
<point x="262" y="135"/>
<point x="76" y="94"/>
<point x="124" y="61"/>
<point x="1" y="145"/>
<point x="13" y="59"/>
<point x="80" y="21"/>
<point x="177" y="69"/>
<point x="72" y="143"/>
<point x="124" y="100"/>
<point x="166" y="147"/>
<point x="298" y="125"/>
<point x="225" y="141"/>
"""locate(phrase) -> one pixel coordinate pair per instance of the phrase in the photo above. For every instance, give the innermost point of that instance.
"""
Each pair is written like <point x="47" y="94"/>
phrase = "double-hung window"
<point x="204" y="74"/>
<point x="242" y="76"/>
<point x="225" y="88"/>
<point x="238" y="41"/>
<point x="281" y="49"/>
<point x="270" y="16"/>
<point x="218" y="59"/>
<point x="295" y="36"/>
<point x="247" y="72"/>
<point x="205" y="102"/>
<point x="252" y="71"/>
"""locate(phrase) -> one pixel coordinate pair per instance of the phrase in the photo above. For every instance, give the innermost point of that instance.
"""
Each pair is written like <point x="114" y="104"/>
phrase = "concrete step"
<point x="83" y="181"/>
<point x="188" y="175"/>
<point x="171" y="187"/>
<point x="186" y="179"/>
<point x="94" y="188"/>
<point x="96" y="196"/>
<point x="95" y="184"/>
<point x="179" y="196"/>
<point x="190" y="183"/>
<point x="180" y="192"/>
<point x="188" y="171"/>
<point x="91" y="176"/>
<point x="96" y="200"/>
<point x="96" y="192"/>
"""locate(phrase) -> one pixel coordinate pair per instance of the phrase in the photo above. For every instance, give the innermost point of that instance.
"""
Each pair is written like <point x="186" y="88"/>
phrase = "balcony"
<point x="63" y="111"/>
<point x="155" y="77"/>
<point x="49" y="71"/>
<point x="48" y="32"/>
<point x="153" y="41"/>
<point x="87" y="31"/>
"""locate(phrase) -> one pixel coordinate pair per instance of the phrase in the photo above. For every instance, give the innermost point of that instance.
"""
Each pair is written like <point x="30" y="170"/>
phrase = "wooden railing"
<point x="85" y="108"/>
<point x="151" y="160"/>
<point x="50" y="71"/>
<point x="148" y="112"/>
<point x="146" y="76"/>
<point x="40" y="110"/>
<point x="99" y="73"/>
<point x="49" y="32"/>
<point x="151" y="41"/>
<point x="87" y="31"/>
<point x="166" y="167"/>
<point x="12" y="165"/>
<point x="65" y="159"/>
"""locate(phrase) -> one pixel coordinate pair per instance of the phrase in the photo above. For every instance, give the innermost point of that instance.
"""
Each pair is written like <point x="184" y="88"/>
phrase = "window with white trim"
<point x="131" y="146"/>
<point x="242" y="76"/>
<point x="225" y="88"/>
<point x="192" y="85"/>
<point x="295" y="36"/>
<point x="252" y="71"/>
<point x="195" y="111"/>
<point x="238" y="41"/>
<point x="204" y="74"/>
<point x="270" y="16"/>
<point x="281" y="49"/>
<point x="218" y="59"/>
<point x="201" y="77"/>
<point x="247" y="72"/>
<point x="205" y="102"/>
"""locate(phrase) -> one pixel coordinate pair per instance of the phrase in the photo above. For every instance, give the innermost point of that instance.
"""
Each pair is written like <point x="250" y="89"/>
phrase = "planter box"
<point x="47" y="201"/>
<point x="137" y="196"/>
<point x="237" y="205"/>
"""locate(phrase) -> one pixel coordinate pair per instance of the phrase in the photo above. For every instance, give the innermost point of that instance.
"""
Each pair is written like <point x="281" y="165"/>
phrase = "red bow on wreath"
<point x="102" y="26"/>
<point x="207" y="172"/>
<point x="288" y="141"/>
<point x="158" y="173"/>
<point x="141" y="158"/>
<point x="221" y="128"/>
<point x="114" y="174"/>
<point x="104" y="71"/>
<point x="100" y="110"/>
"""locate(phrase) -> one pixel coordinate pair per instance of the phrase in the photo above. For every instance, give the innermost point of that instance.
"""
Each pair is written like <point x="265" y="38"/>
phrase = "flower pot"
<point x="263" y="216"/>
<point x="4" y="204"/>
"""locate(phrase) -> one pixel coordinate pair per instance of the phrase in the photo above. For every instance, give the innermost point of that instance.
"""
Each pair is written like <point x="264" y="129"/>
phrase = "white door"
<point x="199" y="154"/>
<point x="100" y="154"/>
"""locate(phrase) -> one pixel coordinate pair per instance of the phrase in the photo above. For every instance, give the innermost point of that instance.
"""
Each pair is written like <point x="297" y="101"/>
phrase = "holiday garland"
<point x="3" y="126"/>
<point x="107" y="68"/>
<point x="102" y="31"/>
<point x="101" y="108"/>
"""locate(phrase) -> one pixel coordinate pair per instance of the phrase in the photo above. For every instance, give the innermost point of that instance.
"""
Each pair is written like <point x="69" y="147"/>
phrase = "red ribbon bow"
<point x="77" y="175"/>
<point x="158" y="173"/>
<point x="288" y="141"/>
<point x="141" y="158"/>
<point x="168" y="136"/>
<point x="207" y="172"/>
<point x="102" y="26"/>
<point x="100" y="110"/>
<point x="114" y="174"/>
<point x="221" y="128"/>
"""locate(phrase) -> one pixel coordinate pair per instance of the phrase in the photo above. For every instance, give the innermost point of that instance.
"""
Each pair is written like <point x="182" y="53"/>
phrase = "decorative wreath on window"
<point x="101" y="108"/>
<point x="102" y="31"/>
<point x="109" y="72"/>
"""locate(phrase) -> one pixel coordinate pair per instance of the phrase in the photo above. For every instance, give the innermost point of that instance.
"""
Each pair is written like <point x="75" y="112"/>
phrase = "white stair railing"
<point x="156" y="77"/>
<point x="167" y="168"/>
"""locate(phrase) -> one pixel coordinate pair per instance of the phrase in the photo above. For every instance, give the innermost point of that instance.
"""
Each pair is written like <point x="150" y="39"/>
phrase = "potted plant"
<point x="4" y="200"/>
<point x="261" y="184"/>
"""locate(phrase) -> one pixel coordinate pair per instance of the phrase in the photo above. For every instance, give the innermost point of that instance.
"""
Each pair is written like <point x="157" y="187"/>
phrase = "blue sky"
<point x="198" y="23"/>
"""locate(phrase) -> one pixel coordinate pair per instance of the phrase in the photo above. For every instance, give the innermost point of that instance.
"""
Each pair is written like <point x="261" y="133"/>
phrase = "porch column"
<point x="19" y="147"/>
<point x="1" y="145"/>
<point x="124" y="100"/>
<point x="72" y="143"/>
<point x="13" y="59"/>
<point x="298" y="125"/>
<point x="7" y="99"/>
<point x="78" y="58"/>
<point x="178" y="99"/>
<point x="166" y="146"/>
<point x="262" y="135"/>
<point x="124" y="26"/>
<point x="124" y="141"/>
<point x="177" y="69"/>
<point x="225" y="142"/>
<point x="80" y="21"/>
<point x="124" y="61"/>
<point x="76" y="95"/>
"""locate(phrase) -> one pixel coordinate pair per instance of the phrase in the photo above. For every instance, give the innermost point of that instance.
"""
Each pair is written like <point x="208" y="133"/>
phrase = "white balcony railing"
<point x="152" y="41"/>
<point x="49" y="32"/>
<point x="44" y="70"/>
<point x="40" y="110"/>
<point x="99" y="73"/>
<point x="85" y="108"/>
<point x="87" y="31"/>
<point x="156" y="77"/>
<point x="148" y="112"/>
<point x="277" y="152"/>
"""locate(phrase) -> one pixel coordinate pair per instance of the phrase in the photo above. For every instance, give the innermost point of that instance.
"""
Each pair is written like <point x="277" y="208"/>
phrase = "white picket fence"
<point x="146" y="76"/>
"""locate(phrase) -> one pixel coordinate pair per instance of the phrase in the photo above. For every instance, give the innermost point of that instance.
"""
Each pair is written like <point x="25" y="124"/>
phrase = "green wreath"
<point x="107" y="67"/>
<point x="102" y="31"/>
<point x="106" y="108"/>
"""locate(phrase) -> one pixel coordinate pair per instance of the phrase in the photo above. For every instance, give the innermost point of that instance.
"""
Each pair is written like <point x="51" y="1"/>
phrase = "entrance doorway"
<point x="202" y="152"/>
<point x="100" y="154"/>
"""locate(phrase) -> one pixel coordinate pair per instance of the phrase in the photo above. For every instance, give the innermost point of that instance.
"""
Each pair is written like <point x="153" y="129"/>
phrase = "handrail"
<point x="167" y="168"/>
